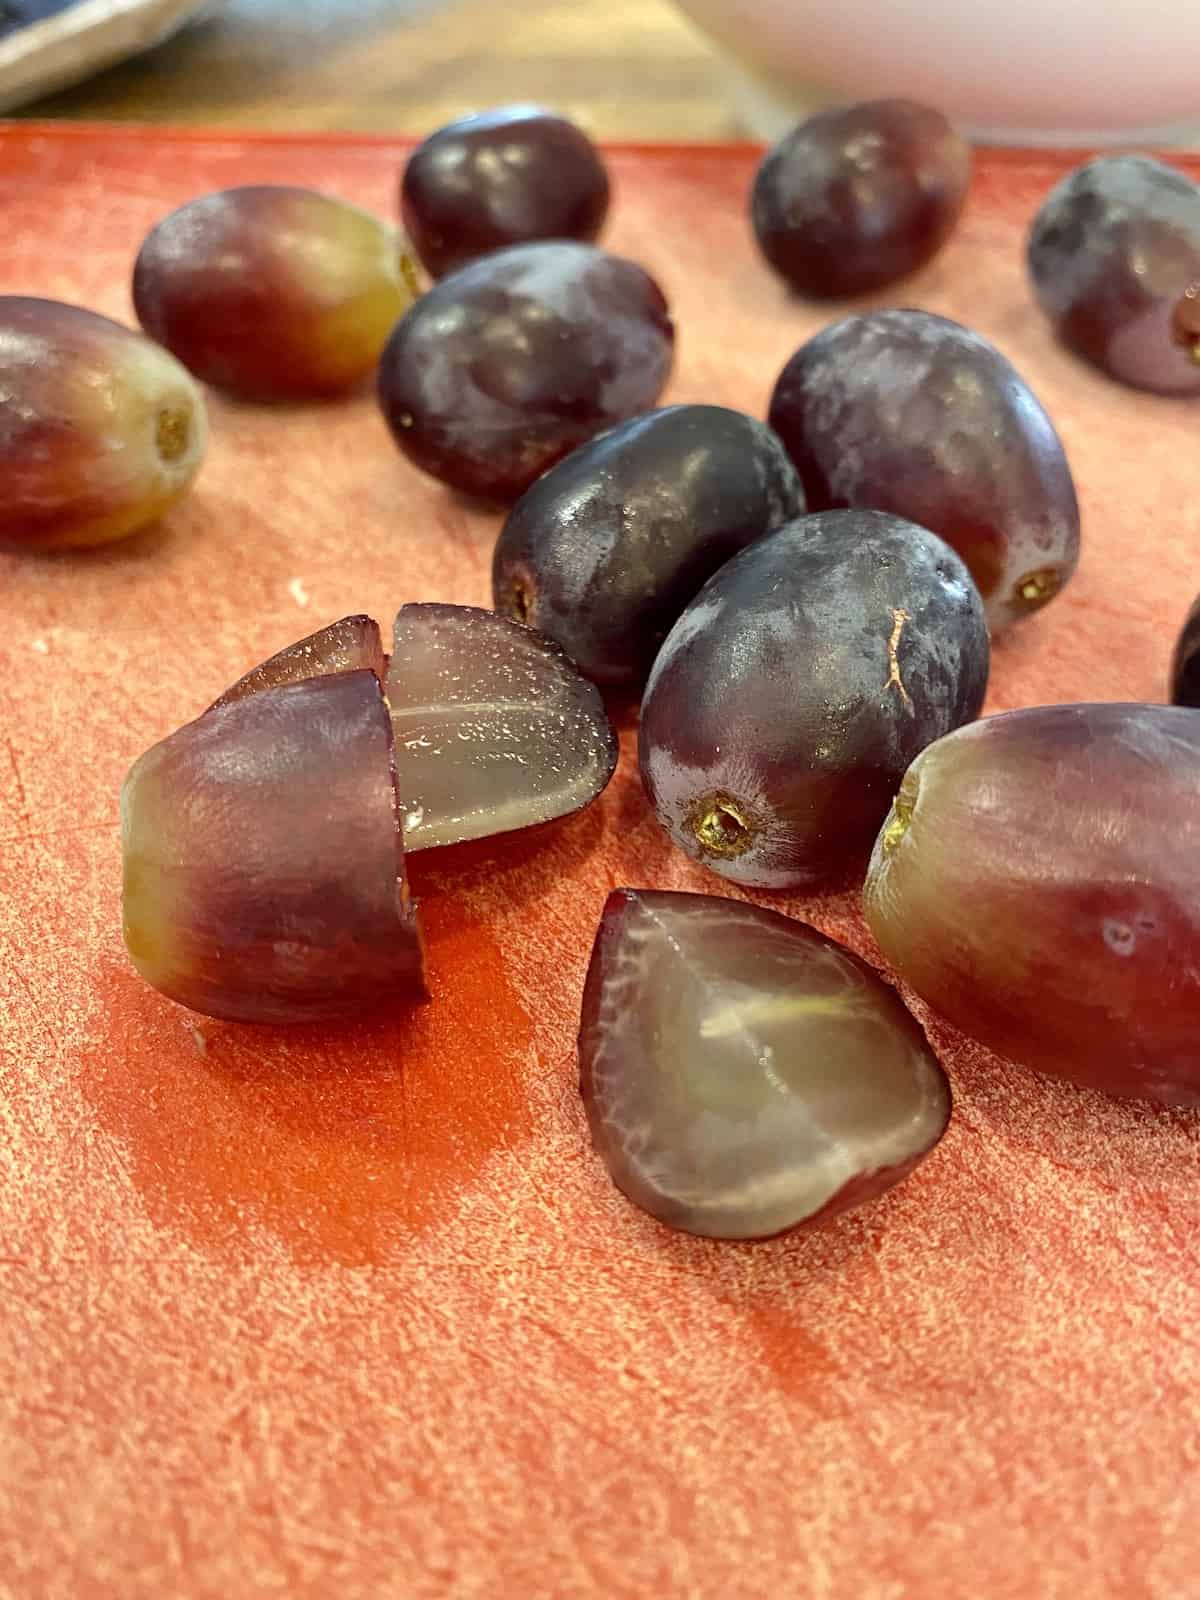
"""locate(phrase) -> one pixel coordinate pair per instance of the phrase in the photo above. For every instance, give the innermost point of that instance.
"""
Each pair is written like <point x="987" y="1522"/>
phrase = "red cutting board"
<point x="357" y="1313"/>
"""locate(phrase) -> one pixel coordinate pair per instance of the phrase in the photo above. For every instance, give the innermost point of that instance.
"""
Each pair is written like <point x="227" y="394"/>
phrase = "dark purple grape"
<point x="604" y="551"/>
<point x="742" y="1074"/>
<point x="1038" y="883"/>
<point x="1114" y="254"/>
<point x="908" y="412"/>
<point x="1185" y="663"/>
<point x="508" y="364"/>
<point x="507" y="176"/>
<point x="859" y="196"/>
<point x="798" y="685"/>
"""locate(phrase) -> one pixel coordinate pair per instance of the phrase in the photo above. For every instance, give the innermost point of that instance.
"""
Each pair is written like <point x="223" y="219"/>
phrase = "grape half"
<point x="511" y="362"/>
<point x="909" y="412"/>
<point x="1038" y="883"/>
<point x="741" y="1073"/>
<point x="101" y="431"/>
<point x="860" y="195"/>
<point x="506" y="176"/>
<point x="272" y="292"/>
<point x="1114" y="254"/>
<point x="796" y="688"/>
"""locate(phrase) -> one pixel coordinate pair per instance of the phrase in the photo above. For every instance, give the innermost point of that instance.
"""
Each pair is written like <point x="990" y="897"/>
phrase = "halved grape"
<point x="508" y="364"/>
<point x="1185" y="663"/>
<point x="603" y="552"/>
<point x="1114" y="254"/>
<point x="501" y="177"/>
<point x="741" y="1073"/>
<point x="264" y="864"/>
<point x="273" y="292"/>
<point x="860" y="195"/>
<point x="1038" y="883"/>
<point x="101" y="431"/>
<point x="342" y="646"/>
<point x="796" y="688"/>
<point x="909" y="412"/>
<point x="494" y="728"/>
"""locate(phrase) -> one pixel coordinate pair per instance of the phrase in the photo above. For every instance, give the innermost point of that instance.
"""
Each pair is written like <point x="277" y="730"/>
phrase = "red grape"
<point x="1185" y="663"/>
<point x="860" y="195"/>
<point x="1038" y="883"/>
<point x="905" y="411"/>
<point x="510" y="363"/>
<point x="507" y="176"/>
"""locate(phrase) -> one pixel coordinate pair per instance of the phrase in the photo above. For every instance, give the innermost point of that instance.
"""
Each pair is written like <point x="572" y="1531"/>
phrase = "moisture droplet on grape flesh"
<point x="1114" y="257"/>
<point x="511" y="362"/>
<point x="796" y="688"/>
<point x="744" y="1075"/>
<point x="603" y="552"/>
<point x="506" y="176"/>
<point x="858" y="196"/>
<point x="908" y="412"/>
<point x="1038" y="884"/>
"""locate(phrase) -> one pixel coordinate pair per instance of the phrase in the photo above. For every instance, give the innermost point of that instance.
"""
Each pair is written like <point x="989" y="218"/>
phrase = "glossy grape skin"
<point x="507" y="365"/>
<point x="742" y="1074"/>
<point x="272" y="292"/>
<point x="1185" y="661"/>
<point x="1114" y="255"/>
<point x="858" y="196"/>
<point x="909" y="412"/>
<point x="1038" y="883"/>
<point x="603" y="552"/>
<point x="797" y="686"/>
<point x="101" y="431"/>
<point x="506" y="176"/>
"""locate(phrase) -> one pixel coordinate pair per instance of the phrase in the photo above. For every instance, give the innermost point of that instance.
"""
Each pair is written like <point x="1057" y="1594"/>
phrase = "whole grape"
<point x="511" y="362"/>
<point x="506" y="176"/>
<point x="859" y="196"/>
<point x="603" y="552"/>
<point x="1114" y="254"/>
<point x="908" y="412"/>
<point x="797" y="686"/>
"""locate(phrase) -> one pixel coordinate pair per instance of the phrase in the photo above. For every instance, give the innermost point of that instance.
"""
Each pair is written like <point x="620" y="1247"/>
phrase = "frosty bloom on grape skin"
<point x="273" y="292"/>
<point x="1038" y="883"/>
<point x="908" y="412"/>
<point x="101" y="431"/>
<point x="797" y="686"/>
<point x="508" y="364"/>
<point x="741" y="1073"/>
<point x="1114" y="260"/>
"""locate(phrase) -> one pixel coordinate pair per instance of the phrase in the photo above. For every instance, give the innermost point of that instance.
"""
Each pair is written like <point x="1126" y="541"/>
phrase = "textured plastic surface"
<point x="357" y="1312"/>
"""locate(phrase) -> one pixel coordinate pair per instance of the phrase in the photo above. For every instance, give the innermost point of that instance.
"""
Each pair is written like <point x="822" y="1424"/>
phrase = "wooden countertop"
<point x="626" y="69"/>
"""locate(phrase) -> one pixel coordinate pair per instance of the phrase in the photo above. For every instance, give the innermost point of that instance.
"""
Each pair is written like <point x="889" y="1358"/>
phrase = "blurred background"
<point x="633" y="69"/>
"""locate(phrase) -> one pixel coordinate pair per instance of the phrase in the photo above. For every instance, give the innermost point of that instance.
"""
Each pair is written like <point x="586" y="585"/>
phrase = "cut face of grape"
<point x="494" y="728"/>
<point x="273" y="292"/>
<point x="101" y="431"/>
<point x="1185" y="664"/>
<point x="1114" y="255"/>
<point x="264" y="868"/>
<point x="506" y="176"/>
<point x="909" y="412"/>
<point x="603" y="552"/>
<point x="741" y="1073"/>
<point x="514" y="360"/>
<point x="343" y="646"/>
<point x="860" y="195"/>
<point x="797" y="686"/>
<point x="1038" y="883"/>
